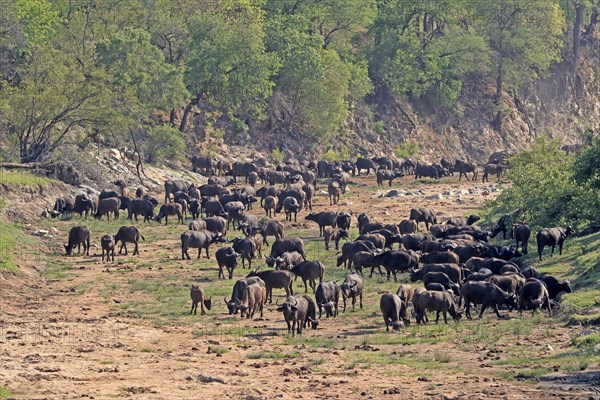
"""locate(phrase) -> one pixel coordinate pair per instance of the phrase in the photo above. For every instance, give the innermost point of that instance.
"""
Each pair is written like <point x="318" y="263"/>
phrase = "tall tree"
<point x="228" y="63"/>
<point x="525" y="37"/>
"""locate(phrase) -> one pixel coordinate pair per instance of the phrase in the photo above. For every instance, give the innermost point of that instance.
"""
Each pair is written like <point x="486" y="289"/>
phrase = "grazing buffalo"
<point x="426" y="215"/>
<point x="253" y="299"/>
<point x="393" y="310"/>
<point x="309" y="271"/>
<point x="534" y="295"/>
<point x="555" y="286"/>
<point x="173" y="186"/>
<point x="440" y="302"/>
<point x="552" y="237"/>
<point x="462" y="221"/>
<point x="228" y="258"/>
<point x="327" y="296"/>
<point x="199" y="240"/>
<point x="167" y="210"/>
<point x="335" y="235"/>
<point x="107" y="243"/>
<point x="407" y="226"/>
<point x="387" y="175"/>
<point x="493" y="169"/>
<point x="79" y="235"/>
<point x="323" y="219"/>
<point x="487" y="294"/>
<point x="521" y="233"/>
<point x="275" y="280"/>
<point x="128" y="234"/>
<point x="197" y="296"/>
<point x="464" y="167"/>
<point x="238" y="292"/>
<point x="334" y="190"/>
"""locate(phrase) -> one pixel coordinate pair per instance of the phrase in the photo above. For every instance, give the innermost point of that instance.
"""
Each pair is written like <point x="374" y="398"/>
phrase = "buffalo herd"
<point x="453" y="257"/>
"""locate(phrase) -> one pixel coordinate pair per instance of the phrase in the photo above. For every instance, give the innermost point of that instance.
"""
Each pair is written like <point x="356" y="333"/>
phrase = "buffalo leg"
<point x="437" y="316"/>
<point x="353" y="303"/>
<point x="552" y="252"/>
<point x="445" y="318"/>
<point x="483" y="307"/>
<point x="207" y="256"/>
<point x="361" y="301"/>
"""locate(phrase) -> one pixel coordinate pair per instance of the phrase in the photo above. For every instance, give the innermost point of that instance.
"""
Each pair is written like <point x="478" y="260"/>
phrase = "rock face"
<point x="561" y="106"/>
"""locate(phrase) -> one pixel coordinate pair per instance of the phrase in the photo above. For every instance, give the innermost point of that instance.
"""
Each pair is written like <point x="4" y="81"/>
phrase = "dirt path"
<point x="88" y="330"/>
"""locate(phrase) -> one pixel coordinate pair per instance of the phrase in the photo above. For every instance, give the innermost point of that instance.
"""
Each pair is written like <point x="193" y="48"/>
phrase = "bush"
<point x="239" y="125"/>
<point x="332" y="155"/>
<point x="278" y="156"/>
<point x="407" y="150"/>
<point x="164" y="142"/>
<point x="553" y="188"/>
<point x="379" y="127"/>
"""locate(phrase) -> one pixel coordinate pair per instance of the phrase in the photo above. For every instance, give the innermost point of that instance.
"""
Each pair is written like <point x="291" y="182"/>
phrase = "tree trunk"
<point x="172" y="117"/>
<point x="500" y="80"/>
<point x="593" y="19"/>
<point x="186" y="113"/>
<point x="576" y="36"/>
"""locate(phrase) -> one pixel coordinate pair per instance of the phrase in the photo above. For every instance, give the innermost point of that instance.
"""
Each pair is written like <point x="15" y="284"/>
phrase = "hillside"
<point x="167" y="80"/>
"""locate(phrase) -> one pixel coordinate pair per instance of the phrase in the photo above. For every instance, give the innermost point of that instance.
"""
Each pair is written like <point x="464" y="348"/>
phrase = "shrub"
<point x="332" y="155"/>
<point x="553" y="188"/>
<point x="407" y="150"/>
<point x="278" y="155"/>
<point x="379" y="127"/>
<point x="164" y="142"/>
<point x="239" y="125"/>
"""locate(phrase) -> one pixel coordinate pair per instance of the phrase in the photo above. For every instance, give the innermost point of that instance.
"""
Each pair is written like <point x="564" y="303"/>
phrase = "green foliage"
<point x="239" y="125"/>
<point x="109" y="66"/>
<point x="141" y="78"/>
<point x="379" y="127"/>
<point x="552" y="187"/>
<point x="5" y="393"/>
<point x="407" y="149"/>
<point x="228" y="62"/>
<point x="525" y="37"/>
<point x="164" y="142"/>
<point x="332" y="155"/>
<point x="38" y="18"/>
<point x="542" y="184"/>
<point x="278" y="155"/>
<point x="415" y="60"/>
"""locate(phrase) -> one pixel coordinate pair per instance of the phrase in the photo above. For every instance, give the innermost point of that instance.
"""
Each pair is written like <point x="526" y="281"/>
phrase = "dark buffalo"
<point x="487" y="294"/>
<point x="393" y="310"/>
<point x="552" y="237"/>
<point x="79" y="235"/>
<point x="426" y="215"/>
<point x="351" y="288"/>
<point x="199" y="240"/>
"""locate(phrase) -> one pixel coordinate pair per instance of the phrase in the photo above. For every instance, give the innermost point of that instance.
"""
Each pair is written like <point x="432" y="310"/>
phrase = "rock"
<point x="209" y="379"/>
<point x="392" y="193"/>
<point x="435" y="197"/>
<point x="41" y="232"/>
<point x="549" y="348"/>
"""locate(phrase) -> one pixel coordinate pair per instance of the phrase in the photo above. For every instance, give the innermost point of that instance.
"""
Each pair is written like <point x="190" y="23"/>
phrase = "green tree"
<point x="542" y="184"/>
<point x="53" y="99"/>
<point x="525" y="37"/>
<point x="228" y="63"/>
<point x="421" y="46"/>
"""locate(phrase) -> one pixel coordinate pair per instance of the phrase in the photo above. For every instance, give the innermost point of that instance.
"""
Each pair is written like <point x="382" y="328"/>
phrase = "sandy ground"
<point x="59" y="341"/>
